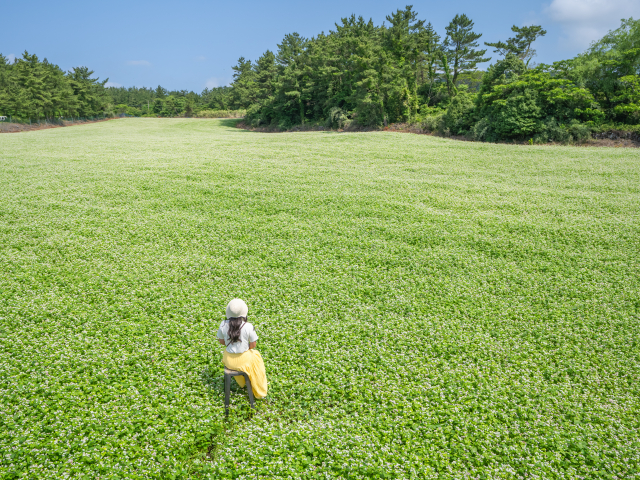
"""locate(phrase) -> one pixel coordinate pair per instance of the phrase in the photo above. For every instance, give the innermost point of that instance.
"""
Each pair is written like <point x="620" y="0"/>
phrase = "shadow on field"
<point x="229" y="122"/>
<point x="214" y="379"/>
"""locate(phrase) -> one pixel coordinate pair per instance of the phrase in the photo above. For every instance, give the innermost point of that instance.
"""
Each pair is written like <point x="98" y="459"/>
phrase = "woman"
<point x="241" y="355"/>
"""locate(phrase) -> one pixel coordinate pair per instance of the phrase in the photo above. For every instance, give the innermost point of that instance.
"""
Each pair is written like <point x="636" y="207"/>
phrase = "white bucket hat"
<point x="237" y="308"/>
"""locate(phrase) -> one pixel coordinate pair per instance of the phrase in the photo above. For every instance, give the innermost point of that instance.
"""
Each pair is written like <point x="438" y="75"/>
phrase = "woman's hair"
<point x="235" y="326"/>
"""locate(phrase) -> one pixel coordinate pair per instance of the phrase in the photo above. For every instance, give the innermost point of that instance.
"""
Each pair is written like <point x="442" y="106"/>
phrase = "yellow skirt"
<point x="251" y="363"/>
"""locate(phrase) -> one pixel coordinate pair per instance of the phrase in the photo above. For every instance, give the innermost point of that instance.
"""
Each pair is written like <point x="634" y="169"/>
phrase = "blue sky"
<point x="191" y="44"/>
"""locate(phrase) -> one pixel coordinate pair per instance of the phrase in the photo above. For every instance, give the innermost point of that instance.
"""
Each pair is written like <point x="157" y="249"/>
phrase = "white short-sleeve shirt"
<point x="247" y="335"/>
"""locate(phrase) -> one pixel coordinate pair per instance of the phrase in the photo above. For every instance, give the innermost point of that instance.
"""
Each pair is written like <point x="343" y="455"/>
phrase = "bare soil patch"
<point x="21" y="127"/>
<point x="609" y="139"/>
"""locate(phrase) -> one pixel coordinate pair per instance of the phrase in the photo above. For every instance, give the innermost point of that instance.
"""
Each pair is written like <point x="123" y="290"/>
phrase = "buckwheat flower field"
<point x="426" y="308"/>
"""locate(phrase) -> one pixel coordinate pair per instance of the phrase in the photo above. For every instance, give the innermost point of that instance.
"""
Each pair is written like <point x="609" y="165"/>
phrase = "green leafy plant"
<point x="426" y="308"/>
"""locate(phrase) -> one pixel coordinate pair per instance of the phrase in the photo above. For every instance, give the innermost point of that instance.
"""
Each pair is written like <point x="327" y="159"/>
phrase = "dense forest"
<point x="404" y="71"/>
<point x="366" y="76"/>
<point x="163" y="103"/>
<point x="31" y="88"/>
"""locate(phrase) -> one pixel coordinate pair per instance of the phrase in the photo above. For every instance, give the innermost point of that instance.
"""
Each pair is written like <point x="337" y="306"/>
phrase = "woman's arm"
<point x="221" y="341"/>
<point x="251" y="332"/>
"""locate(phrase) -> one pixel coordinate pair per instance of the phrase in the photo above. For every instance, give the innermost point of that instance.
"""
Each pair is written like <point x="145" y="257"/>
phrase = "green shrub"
<point x="369" y="111"/>
<point x="628" y="99"/>
<point x="434" y="123"/>
<point x="400" y="104"/>
<point x="518" y="116"/>
<point x="579" y="131"/>
<point x="546" y="130"/>
<point x="284" y="124"/>
<point x="550" y="130"/>
<point x="482" y="130"/>
<point x="337" y="118"/>
<point x="206" y="113"/>
<point x="620" y="127"/>
<point x="516" y="101"/>
<point x="459" y="117"/>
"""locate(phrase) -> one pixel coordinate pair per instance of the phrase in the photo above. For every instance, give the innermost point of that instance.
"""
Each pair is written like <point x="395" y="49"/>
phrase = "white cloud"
<point x="214" y="82"/>
<point x="143" y="63"/>
<point x="584" y="21"/>
<point x="11" y="57"/>
<point x="201" y="58"/>
<point x="112" y="84"/>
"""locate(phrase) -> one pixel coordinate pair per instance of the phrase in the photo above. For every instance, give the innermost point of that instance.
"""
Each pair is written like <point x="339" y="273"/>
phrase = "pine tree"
<point x="59" y="98"/>
<point x="243" y="93"/>
<point x="28" y="76"/>
<point x="520" y="45"/>
<point x="161" y="92"/>
<point x="431" y="54"/>
<point x="290" y="49"/>
<point x="90" y="92"/>
<point x="460" y="46"/>
<point x="403" y="42"/>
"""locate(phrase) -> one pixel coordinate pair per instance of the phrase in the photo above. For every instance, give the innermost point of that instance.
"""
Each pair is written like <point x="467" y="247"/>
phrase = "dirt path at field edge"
<point x="406" y="128"/>
<point x="19" y="127"/>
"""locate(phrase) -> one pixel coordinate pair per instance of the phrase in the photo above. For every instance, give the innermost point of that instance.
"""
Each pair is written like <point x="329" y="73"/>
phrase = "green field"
<point x="426" y="308"/>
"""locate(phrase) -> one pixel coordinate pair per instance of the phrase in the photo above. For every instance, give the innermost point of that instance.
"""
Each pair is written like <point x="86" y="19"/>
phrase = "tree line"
<point x="30" y="88"/>
<point x="361" y="74"/>
<point x="404" y="71"/>
<point x="160" y="102"/>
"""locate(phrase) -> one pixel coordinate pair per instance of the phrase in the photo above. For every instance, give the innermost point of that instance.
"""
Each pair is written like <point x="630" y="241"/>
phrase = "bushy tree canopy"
<point x="371" y="75"/>
<point x="30" y="88"/>
<point x="403" y="71"/>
